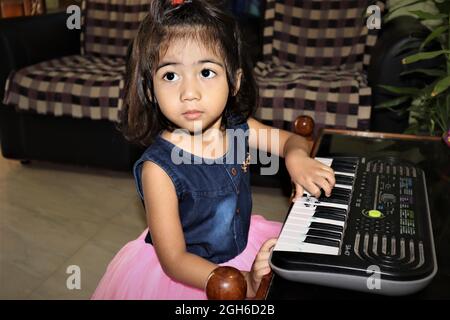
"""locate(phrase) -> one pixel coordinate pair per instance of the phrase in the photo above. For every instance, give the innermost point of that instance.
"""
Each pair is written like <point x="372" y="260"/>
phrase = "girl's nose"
<point x="190" y="90"/>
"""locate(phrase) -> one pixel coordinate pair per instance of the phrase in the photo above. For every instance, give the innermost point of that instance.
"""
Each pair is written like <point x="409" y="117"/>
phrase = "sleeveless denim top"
<point x="214" y="199"/>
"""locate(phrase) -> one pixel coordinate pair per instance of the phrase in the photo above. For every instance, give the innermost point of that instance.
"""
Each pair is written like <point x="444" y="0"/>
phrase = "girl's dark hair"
<point x="204" y="20"/>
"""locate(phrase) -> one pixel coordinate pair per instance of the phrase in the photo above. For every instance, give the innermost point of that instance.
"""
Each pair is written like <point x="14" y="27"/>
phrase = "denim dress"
<point x="214" y="197"/>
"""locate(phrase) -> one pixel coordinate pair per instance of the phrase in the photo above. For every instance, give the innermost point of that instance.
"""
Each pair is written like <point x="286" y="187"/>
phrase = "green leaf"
<point x="424" y="56"/>
<point x="433" y="125"/>
<point x="392" y="103"/>
<point x="400" y="90"/>
<point x="429" y="89"/>
<point x="403" y="3"/>
<point x="400" y="5"/>
<point x="428" y="72"/>
<point x="408" y="47"/>
<point x="436" y="33"/>
<point x="441" y="86"/>
<point x="428" y="16"/>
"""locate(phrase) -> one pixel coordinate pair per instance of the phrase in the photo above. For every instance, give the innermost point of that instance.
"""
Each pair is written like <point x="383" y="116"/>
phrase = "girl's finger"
<point x="330" y="177"/>
<point x="260" y="265"/>
<point x="313" y="189"/>
<point x="268" y="244"/>
<point x="264" y="255"/>
<point x="298" y="191"/>
<point x="323" y="183"/>
<point x="261" y="273"/>
<point x="327" y="169"/>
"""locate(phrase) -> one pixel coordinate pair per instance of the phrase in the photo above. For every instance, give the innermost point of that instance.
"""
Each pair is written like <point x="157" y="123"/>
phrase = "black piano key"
<point x="325" y="213"/>
<point x="337" y="190"/>
<point x="341" y="168"/>
<point x="330" y="210"/>
<point x="326" y="226"/>
<point x="337" y="193"/>
<point x="324" y="234"/>
<point x="345" y="180"/>
<point x="335" y="199"/>
<point x="330" y="216"/>
<point x="322" y="241"/>
<point x="344" y="162"/>
<point x="347" y="160"/>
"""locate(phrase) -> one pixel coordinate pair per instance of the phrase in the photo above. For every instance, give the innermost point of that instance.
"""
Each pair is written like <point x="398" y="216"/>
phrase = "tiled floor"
<point x="54" y="216"/>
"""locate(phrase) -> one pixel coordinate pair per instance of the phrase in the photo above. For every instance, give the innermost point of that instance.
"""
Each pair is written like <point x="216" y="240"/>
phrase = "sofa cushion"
<point x="79" y="86"/>
<point x="109" y="25"/>
<point x="338" y="98"/>
<point x="318" y="33"/>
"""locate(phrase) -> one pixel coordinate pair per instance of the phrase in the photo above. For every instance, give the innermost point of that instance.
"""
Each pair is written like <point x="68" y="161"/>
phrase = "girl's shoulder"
<point x="159" y="152"/>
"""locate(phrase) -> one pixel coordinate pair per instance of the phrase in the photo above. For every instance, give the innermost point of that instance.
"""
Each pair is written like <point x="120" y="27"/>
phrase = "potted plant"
<point x="428" y="103"/>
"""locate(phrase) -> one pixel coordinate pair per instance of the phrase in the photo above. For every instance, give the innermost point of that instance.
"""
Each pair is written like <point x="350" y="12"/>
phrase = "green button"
<point x="375" y="214"/>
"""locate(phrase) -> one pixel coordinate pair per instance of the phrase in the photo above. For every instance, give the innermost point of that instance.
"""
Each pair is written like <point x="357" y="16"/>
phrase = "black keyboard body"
<point x="381" y="243"/>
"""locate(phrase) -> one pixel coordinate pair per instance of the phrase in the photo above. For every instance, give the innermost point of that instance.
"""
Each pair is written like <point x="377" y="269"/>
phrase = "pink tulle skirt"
<point x="136" y="274"/>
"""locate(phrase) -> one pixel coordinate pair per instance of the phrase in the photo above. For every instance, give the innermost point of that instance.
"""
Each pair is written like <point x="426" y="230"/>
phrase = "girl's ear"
<point x="238" y="77"/>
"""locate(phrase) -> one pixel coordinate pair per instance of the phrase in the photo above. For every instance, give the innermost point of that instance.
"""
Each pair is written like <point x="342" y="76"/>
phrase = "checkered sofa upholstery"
<point x="315" y="57"/>
<point x="89" y="85"/>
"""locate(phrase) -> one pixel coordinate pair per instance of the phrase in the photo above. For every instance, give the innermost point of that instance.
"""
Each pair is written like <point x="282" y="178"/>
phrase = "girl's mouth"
<point x="192" y="115"/>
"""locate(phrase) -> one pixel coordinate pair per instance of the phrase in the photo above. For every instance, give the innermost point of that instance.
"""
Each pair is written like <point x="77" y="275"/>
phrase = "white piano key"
<point x="307" y="215"/>
<point x="325" y="161"/>
<point x="294" y="234"/>
<point x="307" y="205"/>
<point x="343" y="186"/>
<point x="300" y="220"/>
<point x="300" y="234"/>
<point x="348" y="174"/>
<point x="336" y="186"/>
<point x="314" y="201"/>
<point x="305" y="247"/>
<point x="328" y="162"/>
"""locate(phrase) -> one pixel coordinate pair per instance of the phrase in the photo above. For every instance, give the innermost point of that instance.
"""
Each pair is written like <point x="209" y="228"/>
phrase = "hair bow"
<point x="178" y="2"/>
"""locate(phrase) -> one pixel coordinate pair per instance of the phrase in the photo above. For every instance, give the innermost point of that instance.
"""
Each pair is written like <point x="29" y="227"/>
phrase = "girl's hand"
<point x="309" y="174"/>
<point x="260" y="267"/>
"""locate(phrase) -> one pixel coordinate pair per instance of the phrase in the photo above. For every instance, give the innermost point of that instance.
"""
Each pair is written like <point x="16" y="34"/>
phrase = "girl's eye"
<point x="207" y="73"/>
<point x="170" y="76"/>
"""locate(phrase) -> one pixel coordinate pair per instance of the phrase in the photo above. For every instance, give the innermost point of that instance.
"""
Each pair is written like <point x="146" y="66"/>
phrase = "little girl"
<point x="188" y="87"/>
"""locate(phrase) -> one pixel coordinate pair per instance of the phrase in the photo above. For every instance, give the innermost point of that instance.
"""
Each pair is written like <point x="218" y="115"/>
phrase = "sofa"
<point x="92" y="139"/>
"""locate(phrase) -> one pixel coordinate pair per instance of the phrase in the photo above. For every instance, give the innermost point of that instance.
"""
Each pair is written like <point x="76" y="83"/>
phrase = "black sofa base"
<point x="29" y="136"/>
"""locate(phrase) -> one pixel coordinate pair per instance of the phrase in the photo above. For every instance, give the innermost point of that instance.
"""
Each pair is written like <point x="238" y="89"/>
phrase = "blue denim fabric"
<point x="214" y="199"/>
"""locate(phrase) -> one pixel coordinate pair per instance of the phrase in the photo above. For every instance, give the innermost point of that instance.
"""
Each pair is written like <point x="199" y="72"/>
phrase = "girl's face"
<point x="191" y="86"/>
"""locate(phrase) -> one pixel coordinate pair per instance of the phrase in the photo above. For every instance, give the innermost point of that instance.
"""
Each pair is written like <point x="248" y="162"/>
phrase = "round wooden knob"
<point x="226" y="283"/>
<point x="304" y="126"/>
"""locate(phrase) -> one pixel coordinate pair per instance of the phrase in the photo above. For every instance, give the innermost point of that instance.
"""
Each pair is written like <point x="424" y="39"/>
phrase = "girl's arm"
<point x="306" y="173"/>
<point x="260" y="135"/>
<point x="163" y="220"/>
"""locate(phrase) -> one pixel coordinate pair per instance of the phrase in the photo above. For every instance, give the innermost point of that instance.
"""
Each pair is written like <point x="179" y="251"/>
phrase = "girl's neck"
<point x="211" y="144"/>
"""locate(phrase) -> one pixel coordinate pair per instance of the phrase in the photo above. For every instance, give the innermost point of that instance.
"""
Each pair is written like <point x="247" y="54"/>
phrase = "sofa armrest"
<point x="28" y="40"/>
